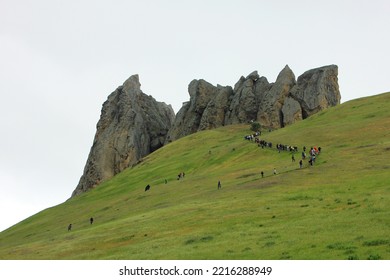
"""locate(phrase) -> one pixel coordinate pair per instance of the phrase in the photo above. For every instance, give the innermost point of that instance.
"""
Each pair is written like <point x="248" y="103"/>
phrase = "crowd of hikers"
<point x="306" y="154"/>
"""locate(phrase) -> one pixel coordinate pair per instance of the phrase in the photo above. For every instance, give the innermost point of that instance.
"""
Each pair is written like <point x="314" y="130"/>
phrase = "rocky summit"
<point x="132" y="125"/>
<point x="273" y="105"/>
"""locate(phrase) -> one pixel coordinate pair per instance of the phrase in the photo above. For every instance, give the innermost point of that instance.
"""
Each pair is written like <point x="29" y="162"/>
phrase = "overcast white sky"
<point x="59" y="60"/>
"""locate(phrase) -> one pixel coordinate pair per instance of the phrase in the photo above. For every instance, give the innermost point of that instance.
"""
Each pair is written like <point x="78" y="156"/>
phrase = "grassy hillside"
<point x="337" y="209"/>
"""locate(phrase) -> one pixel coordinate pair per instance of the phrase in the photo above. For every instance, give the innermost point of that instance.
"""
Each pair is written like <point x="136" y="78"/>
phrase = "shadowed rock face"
<point x="253" y="98"/>
<point x="132" y="125"/>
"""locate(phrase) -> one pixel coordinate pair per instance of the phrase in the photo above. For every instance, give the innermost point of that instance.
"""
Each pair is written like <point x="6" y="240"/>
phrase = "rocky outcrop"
<point x="214" y="114"/>
<point x="205" y="110"/>
<point x="253" y="98"/>
<point x="270" y="109"/>
<point x="317" y="89"/>
<point x="291" y="111"/>
<point x="247" y="94"/>
<point x="132" y="125"/>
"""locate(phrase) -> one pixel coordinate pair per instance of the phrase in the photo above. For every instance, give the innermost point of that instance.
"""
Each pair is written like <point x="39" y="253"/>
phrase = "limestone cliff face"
<point x="132" y="125"/>
<point x="253" y="98"/>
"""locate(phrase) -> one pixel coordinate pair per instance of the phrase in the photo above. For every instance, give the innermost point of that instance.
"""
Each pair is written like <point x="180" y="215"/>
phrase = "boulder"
<point x="317" y="89"/>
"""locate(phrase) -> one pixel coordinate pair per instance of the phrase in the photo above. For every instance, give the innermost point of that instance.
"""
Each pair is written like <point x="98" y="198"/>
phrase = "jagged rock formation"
<point x="253" y="98"/>
<point x="245" y="99"/>
<point x="205" y="110"/>
<point x="270" y="112"/>
<point x="132" y="125"/>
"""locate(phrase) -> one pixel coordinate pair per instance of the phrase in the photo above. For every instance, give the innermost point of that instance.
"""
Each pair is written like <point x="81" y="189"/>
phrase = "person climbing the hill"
<point x="219" y="185"/>
<point x="262" y="174"/>
<point x="292" y="158"/>
<point x="300" y="164"/>
<point x="70" y="227"/>
<point x="91" y="220"/>
<point x="275" y="171"/>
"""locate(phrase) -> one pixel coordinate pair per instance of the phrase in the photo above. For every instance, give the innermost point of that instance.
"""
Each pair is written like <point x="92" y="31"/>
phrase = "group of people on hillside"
<point x="255" y="138"/>
<point x="313" y="152"/>
<point x="252" y="137"/>
<point x="181" y="175"/>
<point x="288" y="148"/>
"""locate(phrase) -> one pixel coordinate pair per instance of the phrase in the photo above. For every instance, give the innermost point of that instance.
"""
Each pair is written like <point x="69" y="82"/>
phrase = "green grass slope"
<point x="337" y="209"/>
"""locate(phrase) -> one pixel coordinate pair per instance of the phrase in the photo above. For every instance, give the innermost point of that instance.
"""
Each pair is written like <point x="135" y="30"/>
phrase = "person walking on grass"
<point x="219" y="185"/>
